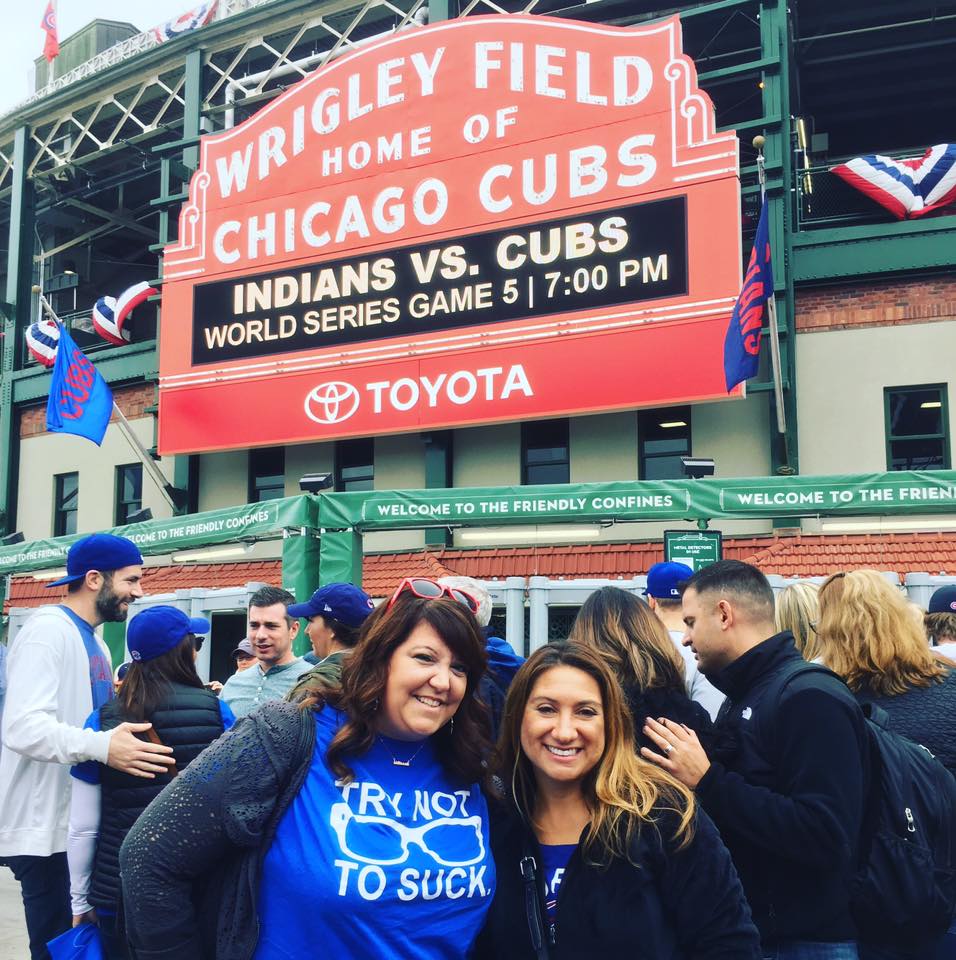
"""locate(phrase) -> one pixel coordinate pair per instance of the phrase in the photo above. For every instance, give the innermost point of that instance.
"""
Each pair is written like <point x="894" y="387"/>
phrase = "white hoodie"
<point x="47" y="702"/>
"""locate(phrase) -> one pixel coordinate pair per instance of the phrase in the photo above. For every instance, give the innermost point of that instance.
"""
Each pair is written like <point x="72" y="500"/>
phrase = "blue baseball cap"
<point x="663" y="580"/>
<point x="337" y="601"/>
<point x="943" y="600"/>
<point x="157" y="630"/>
<point x="98" y="551"/>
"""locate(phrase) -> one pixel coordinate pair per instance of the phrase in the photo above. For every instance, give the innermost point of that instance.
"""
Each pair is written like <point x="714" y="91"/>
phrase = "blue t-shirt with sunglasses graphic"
<point x="395" y="864"/>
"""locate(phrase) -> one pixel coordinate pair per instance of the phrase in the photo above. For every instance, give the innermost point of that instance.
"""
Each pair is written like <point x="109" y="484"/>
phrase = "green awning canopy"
<point x="750" y="498"/>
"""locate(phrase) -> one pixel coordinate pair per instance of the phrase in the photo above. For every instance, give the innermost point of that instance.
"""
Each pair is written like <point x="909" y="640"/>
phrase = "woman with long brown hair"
<point x="634" y="643"/>
<point x="599" y="853"/>
<point x="352" y="823"/>
<point x="160" y="686"/>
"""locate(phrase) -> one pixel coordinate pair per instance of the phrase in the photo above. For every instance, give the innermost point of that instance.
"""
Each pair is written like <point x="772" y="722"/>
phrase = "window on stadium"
<point x="917" y="427"/>
<point x="663" y="438"/>
<point x="545" y="452"/>
<point x="266" y="474"/>
<point x="355" y="464"/>
<point x="66" y="498"/>
<point x="129" y="492"/>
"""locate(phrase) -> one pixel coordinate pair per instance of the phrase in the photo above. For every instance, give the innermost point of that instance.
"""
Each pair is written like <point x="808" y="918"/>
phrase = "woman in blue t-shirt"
<point x="598" y="852"/>
<point x="351" y="823"/>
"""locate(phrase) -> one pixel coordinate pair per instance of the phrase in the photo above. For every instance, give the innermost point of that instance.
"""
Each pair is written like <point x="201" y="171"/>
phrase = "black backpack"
<point x="904" y="891"/>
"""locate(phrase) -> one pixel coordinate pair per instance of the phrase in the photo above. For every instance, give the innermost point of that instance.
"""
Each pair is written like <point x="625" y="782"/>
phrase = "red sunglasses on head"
<point x="431" y="590"/>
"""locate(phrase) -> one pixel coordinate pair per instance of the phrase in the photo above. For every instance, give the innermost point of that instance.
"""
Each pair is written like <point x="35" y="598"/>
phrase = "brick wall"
<point x="876" y="303"/>
<point x="132" y="400"/>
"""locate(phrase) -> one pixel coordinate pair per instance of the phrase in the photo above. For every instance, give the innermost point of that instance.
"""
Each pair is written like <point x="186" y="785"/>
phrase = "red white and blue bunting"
<point x="110" y="313"/>
<point x="907" y="188"/>
<point x="43" y="337"/>
<point x="193" y="19"/>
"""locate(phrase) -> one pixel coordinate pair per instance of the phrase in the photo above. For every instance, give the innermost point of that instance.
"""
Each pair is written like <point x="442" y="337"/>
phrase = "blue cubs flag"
<point x="742" y="342"/>
<point x="80" y="402"/>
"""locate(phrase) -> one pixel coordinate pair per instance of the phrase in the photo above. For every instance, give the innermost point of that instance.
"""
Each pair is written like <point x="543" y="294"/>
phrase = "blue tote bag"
<point x="80" y="943"/>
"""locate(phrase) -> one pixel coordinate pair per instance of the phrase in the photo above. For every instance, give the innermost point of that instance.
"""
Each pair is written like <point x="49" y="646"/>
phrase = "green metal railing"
<point x="825" y="200"/>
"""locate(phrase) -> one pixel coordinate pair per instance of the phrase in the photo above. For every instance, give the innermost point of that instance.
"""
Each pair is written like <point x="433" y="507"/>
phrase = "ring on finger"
<point x="667" y="748"/>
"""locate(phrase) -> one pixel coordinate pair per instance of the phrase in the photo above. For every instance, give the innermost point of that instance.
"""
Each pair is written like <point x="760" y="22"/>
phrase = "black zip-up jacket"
<point x="187" y="720"/>
<point x="790" y="801"/>
<point x="191" y="863"/>
<point x="674" y="905"/>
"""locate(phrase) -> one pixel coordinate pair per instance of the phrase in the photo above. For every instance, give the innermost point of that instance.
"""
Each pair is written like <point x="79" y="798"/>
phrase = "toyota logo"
<point x="332" y="402"/>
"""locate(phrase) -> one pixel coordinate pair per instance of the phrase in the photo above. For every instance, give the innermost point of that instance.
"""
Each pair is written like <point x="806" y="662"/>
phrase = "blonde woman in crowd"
<point x="868" y="635"/>
<point x="797" y="610"/>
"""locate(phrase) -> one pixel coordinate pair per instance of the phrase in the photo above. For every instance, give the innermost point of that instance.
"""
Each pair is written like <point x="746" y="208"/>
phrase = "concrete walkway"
<point x="13" y="931"/>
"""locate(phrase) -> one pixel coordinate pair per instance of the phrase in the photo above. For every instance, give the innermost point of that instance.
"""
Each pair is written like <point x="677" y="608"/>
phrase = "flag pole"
<point x="775" y="363"/>
<point x="51" y="64"/>
<point x="148" y="462"/>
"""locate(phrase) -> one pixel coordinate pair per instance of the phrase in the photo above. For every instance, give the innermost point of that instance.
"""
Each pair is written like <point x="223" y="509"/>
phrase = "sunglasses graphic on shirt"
<point x="379" y="840"/>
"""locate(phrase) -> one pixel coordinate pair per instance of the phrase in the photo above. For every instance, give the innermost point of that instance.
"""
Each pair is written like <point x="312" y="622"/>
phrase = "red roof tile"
<point x="796" y="556"/>
<point x="901" y="553"/>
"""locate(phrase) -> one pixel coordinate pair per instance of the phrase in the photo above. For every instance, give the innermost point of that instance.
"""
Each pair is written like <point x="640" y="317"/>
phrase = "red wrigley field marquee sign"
<point x="492" y="218"/>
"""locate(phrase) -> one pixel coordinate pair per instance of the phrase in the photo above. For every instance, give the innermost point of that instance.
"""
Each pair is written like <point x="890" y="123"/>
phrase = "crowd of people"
<point x="688" y="775"/>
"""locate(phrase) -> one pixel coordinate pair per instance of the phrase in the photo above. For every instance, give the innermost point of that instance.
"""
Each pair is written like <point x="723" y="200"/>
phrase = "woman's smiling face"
<point x="425" y="686"/>
<point x="562" y="730"/>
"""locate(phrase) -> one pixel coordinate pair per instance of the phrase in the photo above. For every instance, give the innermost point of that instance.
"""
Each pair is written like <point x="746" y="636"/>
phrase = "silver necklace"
<point x="402" y="763"/>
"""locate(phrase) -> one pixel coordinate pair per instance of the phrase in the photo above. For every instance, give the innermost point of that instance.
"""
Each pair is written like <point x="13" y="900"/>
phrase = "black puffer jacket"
<point x="790" y="801"/>
<point x="674" y="905"/>
<point x="187" y="720"/>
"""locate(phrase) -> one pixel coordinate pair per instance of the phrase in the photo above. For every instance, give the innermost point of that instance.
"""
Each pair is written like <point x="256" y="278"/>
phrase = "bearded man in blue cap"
<point x="58" y="672"/>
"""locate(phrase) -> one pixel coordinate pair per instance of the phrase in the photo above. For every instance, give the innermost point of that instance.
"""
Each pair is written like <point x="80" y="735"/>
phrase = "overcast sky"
<point x="21" y="39"/>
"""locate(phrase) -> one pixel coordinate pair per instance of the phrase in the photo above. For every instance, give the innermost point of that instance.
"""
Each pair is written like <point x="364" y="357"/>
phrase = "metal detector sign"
<point x="492" y="218"/>
<point x="697" y="549"/>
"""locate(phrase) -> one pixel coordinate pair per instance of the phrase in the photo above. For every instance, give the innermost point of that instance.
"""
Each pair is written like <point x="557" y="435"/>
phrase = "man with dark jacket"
<point x="789" y="801"/>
